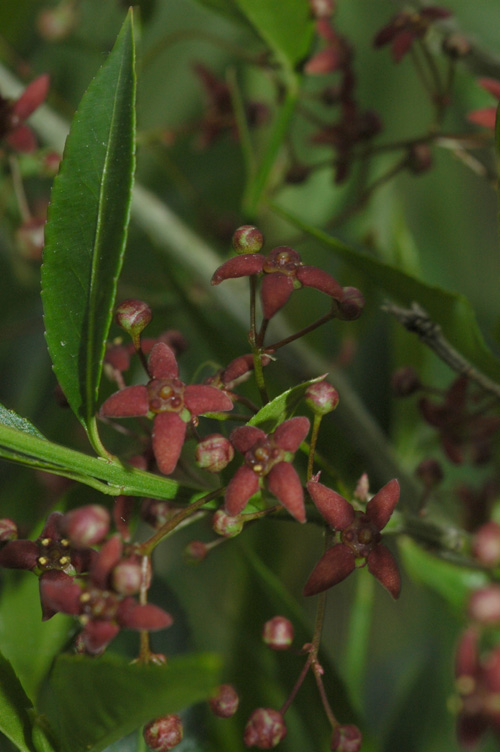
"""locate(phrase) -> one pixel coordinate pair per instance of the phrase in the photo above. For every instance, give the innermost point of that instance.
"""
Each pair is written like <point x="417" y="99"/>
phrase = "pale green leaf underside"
<point x="281" y="407"/>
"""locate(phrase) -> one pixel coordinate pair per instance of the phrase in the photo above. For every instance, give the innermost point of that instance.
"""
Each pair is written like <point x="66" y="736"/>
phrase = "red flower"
<point x="219" y="115"/>
<point x="406" y="27"/>
<point x="102" y="611"/>
<point x="460" y="430"/>
<point x="172" y="402"/>
<point x="359" y="539"/>
<point x="283" y="272"/>
<point x="478" y="685"/>
<point x="49" y="556"/>
<point x="267" y="460"/>
<point x="487" y="116"/>
<point x="14" y="114"/>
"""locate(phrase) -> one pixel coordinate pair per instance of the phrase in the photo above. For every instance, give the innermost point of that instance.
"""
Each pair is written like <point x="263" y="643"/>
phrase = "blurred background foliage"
<point x="440" y="226"/>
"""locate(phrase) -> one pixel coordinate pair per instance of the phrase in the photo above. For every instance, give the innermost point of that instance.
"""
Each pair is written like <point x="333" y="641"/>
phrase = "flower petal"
<point x="284" y="483"/>
<point x="19" y="554"/>
<point x="275" y="290"/>
<point x="492" y="671"/>
<point x="32" y="97"/>
<point x="291" y="433"/>
<point x="58" y="593"/>
<point x="244" y="437"/>
<point x="239" y="266"/>
<point x="333" y="567"/>
<point x="107" y="559"/>
<point x="169" y="431"/>
<point x="466" y="657"/>
<point x="132" y="615"/>
<point x="200" y="398"/>
<point x="22" y="139"/>
<point x="470" y="730"/>
<point x="312" y="276"/>
<point x="162" y="363"/>
<point x="325" y="61"/>
<point x="130" y="402"/>
<point x="96" y="635"/>
<point x="491" y="85"/>
<point x="383" y="566"/>
<point x="381" y="506"/>
<point x="336" y="510"/>
<point x="486" y="117"/>
<point x="401" y="45"/>
<point x="243" y="485"/>
<point x="435" y="13"/>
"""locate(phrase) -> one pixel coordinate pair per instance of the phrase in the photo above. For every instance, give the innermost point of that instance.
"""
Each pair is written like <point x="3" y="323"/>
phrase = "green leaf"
<point x="14" y="707"/>
<point x="281" y="407"/>
<point x="452" y="582"/>
<point x="110" y="476"/>
<point x="451" y="310"/>
<point x="287" y="27"/>
<point x="13" y="420"/>
<point x="92" y="702"/>
<point x="29" y="643"/>
<point x="86" y="231"/>
<point x="228" y="8"/>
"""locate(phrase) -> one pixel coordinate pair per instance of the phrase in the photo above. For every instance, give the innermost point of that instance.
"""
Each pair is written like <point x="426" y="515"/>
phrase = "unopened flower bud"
<point x="265" y="729"/>
<point x="30" y="238"/>
<point x="214" y="453"/>
<point x="8" y="530"/>
<point x="278" y="633"/>
<point x="163" y="733"/>
<point x="405" y="381"/>
<point x="128" y="575"/>
<point x="362" y="489"/>
<point x="456" y="46"/>
<point x="225" y="703"/>
<point x="133" y="316"/>
<point x="86" y="526"/>
<point x="352" y="304"/>
<point x="225" y="525"/>
<point x="322" y="397"/>
<point x="419" y="158"/>
<point x="156" y="512"/>
<point x="484" y="605"/>
<point x="196" y="551"/>
<point x="346" y="738"/>
<point x="486" y="544"/>
<point x="322" y="8"/>
<point x="248" y="239"/>
<point x="430" y="472"/>
<point x="55" y="24"/>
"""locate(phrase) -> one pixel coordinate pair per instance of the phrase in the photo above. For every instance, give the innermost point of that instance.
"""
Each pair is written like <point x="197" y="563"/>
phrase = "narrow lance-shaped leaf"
<point x="14" y="706"/>
<point x="87" y="226"/>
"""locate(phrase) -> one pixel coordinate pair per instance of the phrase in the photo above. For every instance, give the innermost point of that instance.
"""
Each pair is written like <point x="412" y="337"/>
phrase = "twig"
<point x="416" y="320"/>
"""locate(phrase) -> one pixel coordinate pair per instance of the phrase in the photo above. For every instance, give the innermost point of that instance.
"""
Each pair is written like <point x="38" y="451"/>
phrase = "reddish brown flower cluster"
<point x="406" y="27"/>
<point x="478" y="686"/>
<point x="267" y="462"/>
<point x="13" y="115"/>
<point x="102" y="600"/>
<point x="360" y="539"/>
<point x="463" y="433"/>
<point x="172" y="403"/>
<point x="283" y="272"/>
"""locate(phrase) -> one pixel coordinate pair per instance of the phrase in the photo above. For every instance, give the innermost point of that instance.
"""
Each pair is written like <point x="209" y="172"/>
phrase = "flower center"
<point x="98" y="604"/>
<point x="263" y="456"/>
<point x="284" y="260"/>
<point x="361" y="536"/>
<point x="54" y="554"/>
<point x="166" y="395"/>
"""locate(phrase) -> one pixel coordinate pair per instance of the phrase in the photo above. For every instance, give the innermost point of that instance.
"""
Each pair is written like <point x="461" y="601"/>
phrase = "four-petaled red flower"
<point x="267" y="460"/>
<point x="172" y="403"/>
<point x="283" y="272"/>
<point x="407" y="26"/>
<point x="51" y="556"/>
<point x="488" y="115"/>
<point x="101" y="610"/>
<point x="461" y="431"/>
<point x="14" y="114"/>
<point x="478" y="685"/>
<point x="359" y="539"/>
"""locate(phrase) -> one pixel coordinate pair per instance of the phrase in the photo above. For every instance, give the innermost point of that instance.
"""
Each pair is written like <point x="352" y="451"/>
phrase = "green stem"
<point x="147" y="548"/>
<point x="120" y="478"/>
<point x="319" y="322"/>
<point x="358" y="633"/>
<point x="312" y="446"/>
